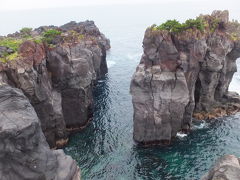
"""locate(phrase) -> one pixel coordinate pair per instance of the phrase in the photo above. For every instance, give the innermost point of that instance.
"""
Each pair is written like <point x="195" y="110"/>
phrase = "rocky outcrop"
<point x="57" y="73"/>
<point x="186" y="69"/>
<point x="226" y="168"/>
<point x="24" y="152"/>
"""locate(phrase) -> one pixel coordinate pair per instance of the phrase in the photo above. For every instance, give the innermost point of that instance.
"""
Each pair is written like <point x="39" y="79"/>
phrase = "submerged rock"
<point x="226" y="168"/>
<point x="24" y="152"/>
<point x="57" y="72"/>
<point x="185" y="69"/>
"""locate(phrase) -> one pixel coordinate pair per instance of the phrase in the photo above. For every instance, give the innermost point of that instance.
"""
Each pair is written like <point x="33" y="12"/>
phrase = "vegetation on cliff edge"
<point x="13" y="45"/>
<point x="176" y="27"/>
<point x="50" y="37"/>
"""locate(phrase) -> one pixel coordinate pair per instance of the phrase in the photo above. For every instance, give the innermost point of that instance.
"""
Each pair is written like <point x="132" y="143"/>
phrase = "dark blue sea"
<point x="105" y="149"/>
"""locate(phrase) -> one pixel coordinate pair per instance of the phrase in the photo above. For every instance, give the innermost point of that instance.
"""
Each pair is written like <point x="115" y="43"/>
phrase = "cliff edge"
<point x="56" y="68"/>
<point x="46" y="81"/>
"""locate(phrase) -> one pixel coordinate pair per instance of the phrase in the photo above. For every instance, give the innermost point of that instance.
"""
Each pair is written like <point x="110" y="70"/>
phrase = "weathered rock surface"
<point x="4" y="50"/>
<point x="184" y="73"/>
<point x="58" y="79"/>
<point x="24" y="152"/>
<point x="226" y="168"/>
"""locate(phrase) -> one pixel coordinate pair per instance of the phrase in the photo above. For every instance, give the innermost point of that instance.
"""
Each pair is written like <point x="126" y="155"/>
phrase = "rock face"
<point x="24" y="152"/>
<point x="184" y="73"/>
<point x="58" y="78"/>
<point x="226" y="168"/>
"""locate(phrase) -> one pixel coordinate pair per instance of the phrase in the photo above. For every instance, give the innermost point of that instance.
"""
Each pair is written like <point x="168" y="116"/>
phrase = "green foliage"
<point x="9" y="57"/>
<point x="50" y="35"/>
<point x="38" y="41"/>
<point x="194" y="23"/>
<point x="26" y="32"/>
<point x="170" y="25"/>
<point x="234" y="37"/>
<point x="81" y="36"/>
<point x="176" y="27"/>
<point x="11" y="43"/>
<point x="214" y="24"/>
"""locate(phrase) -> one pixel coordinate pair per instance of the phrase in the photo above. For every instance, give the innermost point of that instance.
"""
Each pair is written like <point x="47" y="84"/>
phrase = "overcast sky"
<point x="33" y="4"/>
<point x="15" y="14"/>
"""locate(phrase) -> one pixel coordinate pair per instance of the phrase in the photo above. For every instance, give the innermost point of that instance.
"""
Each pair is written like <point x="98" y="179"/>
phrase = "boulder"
<point x="24" y="152"/>
<point x="226" y="168"/>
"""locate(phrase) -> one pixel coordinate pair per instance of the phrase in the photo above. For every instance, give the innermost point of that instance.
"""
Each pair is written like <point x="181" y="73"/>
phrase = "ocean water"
<point x="105" y="149"/>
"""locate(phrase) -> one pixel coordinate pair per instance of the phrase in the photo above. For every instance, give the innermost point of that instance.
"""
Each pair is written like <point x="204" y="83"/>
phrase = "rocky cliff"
<point x="24" y="152"/>
<point x="226" y="168"/>
<point x="185" y="70"/>
<point x="56" y="68"/>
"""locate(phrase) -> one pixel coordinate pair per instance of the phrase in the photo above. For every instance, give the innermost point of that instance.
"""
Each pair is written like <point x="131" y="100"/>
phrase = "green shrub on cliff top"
<point x="11" y="43"/>
<point x="194" y="23"/>
<point x="26" y="32"/>
<point x="50" y="35"/>
<point x="170" y="25"/>
<point x="9" y="57"/>
<point x="176" y="27"/>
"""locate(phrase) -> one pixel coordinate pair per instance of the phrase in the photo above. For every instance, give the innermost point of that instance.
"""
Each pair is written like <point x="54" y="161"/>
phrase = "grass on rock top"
<point x="25" y="34"/>
<point x="49" y="37"/>
<point x="11" y="43"/>
<point x="201" y="23"/>
<point x="175" y="26"/>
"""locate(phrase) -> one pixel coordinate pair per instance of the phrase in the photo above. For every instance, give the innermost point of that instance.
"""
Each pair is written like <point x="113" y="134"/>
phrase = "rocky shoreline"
<point x="47" y="76"/>
<point x="185" y="72"/>
<point x="46" y="81"/>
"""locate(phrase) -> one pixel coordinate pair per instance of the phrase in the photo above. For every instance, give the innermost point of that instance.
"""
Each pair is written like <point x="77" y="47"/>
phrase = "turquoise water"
<point x="105" y="149"/>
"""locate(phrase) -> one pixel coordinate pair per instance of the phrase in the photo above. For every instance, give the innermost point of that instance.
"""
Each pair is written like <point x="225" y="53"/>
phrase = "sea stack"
<point x="56" y="68"/>
<point x="185" y="71"/>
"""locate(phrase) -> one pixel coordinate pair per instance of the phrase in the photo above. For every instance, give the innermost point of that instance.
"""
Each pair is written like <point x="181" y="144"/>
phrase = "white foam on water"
<point x="110" y="63"/>
<point x="202" y="125"/>
<point x="181" y="135"/>
<point x="100" y="81"/>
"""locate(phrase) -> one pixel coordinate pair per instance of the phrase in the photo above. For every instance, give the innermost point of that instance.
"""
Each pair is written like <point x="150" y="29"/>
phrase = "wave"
<point x="200" y="125"/>
<point x="110" y="63"/>
<point x="181" y="135"/>
<point x="100" y="81"/>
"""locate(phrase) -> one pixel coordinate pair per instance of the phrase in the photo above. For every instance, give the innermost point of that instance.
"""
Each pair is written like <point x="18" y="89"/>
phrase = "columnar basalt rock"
<point x="185" y="69"/>
<point x="57" y="74"/>
<point x="24" y="152"/>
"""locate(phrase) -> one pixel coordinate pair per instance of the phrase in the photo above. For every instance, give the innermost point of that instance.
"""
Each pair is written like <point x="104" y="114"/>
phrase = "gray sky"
<point x="15" y="14"/>
<point x="34" y="4"/>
